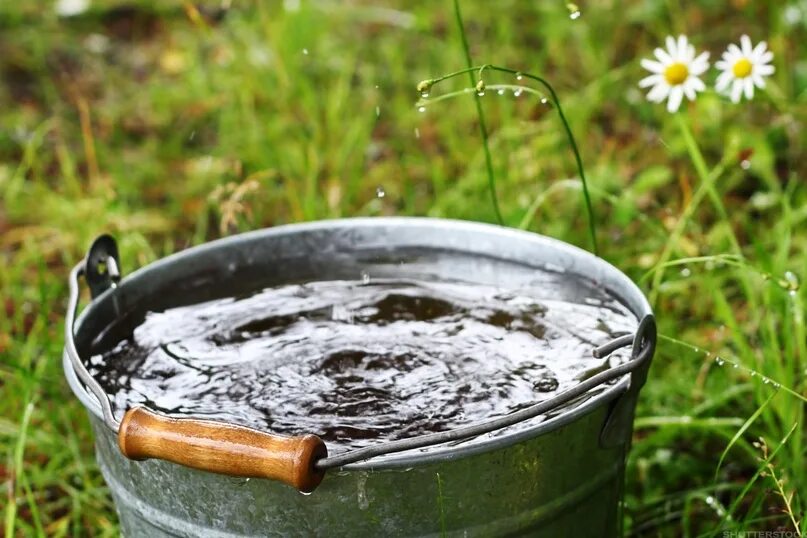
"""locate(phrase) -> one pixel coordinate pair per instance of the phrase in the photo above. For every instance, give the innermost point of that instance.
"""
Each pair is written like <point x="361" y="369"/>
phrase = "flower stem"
<point x="677" y="232"/>
<point x="703" y="173"/>
<point x="706" y="187"/>
<point x="483" y="129"/>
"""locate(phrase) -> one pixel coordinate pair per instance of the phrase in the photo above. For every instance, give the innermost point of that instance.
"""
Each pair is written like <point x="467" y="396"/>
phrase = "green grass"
<point x="169" y="127"/>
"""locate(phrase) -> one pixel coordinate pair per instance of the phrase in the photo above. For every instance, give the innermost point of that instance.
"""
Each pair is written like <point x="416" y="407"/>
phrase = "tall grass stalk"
<point x="567" y="128"/>
<point x="483" y="129"/>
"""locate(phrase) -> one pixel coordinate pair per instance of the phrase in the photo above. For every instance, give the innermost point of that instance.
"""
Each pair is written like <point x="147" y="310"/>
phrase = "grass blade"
<point x="742" y="430"/>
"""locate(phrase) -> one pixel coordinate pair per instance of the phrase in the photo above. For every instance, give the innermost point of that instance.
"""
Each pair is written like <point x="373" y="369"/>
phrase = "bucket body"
<point x="560" y="475"/>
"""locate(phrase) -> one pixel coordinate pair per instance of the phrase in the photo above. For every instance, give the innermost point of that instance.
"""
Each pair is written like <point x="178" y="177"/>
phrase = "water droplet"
<point x="765" y="381"/>
<point x="421" y="109"/>
<point x="365" y="277"/>
<point x="305" y="51"/>
<point x="776" y="385"/>
<point x="480" y="94"/>
<point x="719" y="361"/>
<point x="745" y="164"/>
<point x="685" y="272"/>
<point x="379" y="192"/>
<point x="378" y="112"/>
<point x="753" y="373"/>
<point x="735" y="365"/>
<point x="574" y="11"/>
<point x="710" y="500"/>
<point x="519" y="76"/>
<point x="500" y="91"/>
<point x="424" y="95"/>
<point x="517" y="92"/>
<point x="544" y="100"/>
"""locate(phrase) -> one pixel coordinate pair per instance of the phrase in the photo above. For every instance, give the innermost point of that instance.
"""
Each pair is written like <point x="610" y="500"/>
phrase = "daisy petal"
<point x="734" y="50"/>
<point x="653" y="67"/>
<point x="658" y="93"/>
<point x="765" y="70"/>
<point x="736" y="91"/>
<point x="723" y="81"/>
<point x="672" y="48"/>
<point x="652" y="80"/>
<point x="662" y="56"/>
<point x="721" y="65"/>
<point x="682" y="47"/>
<point x="748" y="87"/>
<point x="766" y="57"/>
<point x="745" y="43"/>
<point x="689" y="89"/>
<point x="674" y="101"/>
<point x="759" y="50"/>
<point x="700" y="64"/>
<point x="759" y="82"/>
<point x="697" y="84"/>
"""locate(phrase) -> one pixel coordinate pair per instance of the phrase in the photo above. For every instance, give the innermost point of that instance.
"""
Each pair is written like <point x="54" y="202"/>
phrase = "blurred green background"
<point x="172" y="124"/>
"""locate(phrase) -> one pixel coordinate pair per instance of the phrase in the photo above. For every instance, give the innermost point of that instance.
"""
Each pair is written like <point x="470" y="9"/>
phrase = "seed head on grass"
<point x="424" y="86"/>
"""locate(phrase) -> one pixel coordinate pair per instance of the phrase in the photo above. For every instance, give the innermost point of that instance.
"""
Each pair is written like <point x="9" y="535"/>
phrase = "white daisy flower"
<point x="676" y="73"/>
<point x="743" y="68"/>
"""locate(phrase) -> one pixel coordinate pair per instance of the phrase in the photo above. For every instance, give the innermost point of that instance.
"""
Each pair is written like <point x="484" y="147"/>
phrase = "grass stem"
<point x="567" y="129"/>
<point x="483" y="129"/>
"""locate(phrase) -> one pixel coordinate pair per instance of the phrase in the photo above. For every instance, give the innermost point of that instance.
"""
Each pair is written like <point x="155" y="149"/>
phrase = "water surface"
<point x="359" y="361"/>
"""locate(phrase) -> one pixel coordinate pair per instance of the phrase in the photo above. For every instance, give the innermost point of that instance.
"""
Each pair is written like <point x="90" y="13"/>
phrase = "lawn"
<point x="175" y="124"/>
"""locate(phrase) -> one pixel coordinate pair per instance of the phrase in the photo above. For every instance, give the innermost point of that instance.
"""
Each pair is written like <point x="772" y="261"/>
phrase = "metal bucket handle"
<point x="301" y="461"/>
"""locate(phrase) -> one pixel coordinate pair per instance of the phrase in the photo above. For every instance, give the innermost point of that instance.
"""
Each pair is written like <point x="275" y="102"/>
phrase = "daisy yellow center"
<point x="676" y="74"/>
<point x="742" y="68"/>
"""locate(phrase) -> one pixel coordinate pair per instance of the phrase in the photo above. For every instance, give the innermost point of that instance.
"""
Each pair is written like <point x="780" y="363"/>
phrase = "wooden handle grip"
<point x="222" y="448"/>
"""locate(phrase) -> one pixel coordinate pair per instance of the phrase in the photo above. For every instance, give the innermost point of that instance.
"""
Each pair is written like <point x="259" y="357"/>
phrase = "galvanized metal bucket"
<point x="561" y="475"/>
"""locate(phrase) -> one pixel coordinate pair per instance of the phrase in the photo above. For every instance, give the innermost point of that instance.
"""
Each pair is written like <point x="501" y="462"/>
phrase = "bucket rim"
<point x="639" y="306"/>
